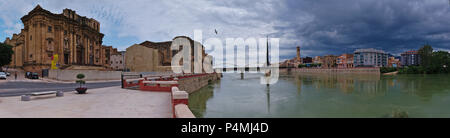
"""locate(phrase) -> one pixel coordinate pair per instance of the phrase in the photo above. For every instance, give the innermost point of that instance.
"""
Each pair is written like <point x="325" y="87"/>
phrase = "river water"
<point x="324" y="96"/>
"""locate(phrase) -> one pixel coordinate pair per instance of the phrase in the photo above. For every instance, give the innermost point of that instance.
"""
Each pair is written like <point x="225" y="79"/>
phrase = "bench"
<point x="27" y="97"/>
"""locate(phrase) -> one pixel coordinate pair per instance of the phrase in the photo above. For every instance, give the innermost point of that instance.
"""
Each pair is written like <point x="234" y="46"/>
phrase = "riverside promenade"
<point x="111" y="102"/>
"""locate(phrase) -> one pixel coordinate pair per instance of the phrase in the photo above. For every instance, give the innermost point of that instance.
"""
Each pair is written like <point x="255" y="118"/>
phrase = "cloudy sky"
<point x="320" y="27"/>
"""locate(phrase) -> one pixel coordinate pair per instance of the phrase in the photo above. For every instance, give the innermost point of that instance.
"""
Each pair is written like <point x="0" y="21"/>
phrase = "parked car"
<point x="3" y="75"/>
<point x="28" y="75"/>
<point x="31" y="75"/>
<point x="34" y="75"/>
<point x="8" y="74"/>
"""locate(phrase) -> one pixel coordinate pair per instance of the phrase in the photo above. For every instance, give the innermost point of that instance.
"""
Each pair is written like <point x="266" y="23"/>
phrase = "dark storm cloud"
<point x="338" y="26"/>
<point x="320" y="26"/>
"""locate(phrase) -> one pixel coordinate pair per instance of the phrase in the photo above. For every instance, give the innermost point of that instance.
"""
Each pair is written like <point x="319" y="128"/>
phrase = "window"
<point x="120" y="62"/>
<point x="168" y="53"/>
<point x="49" y="28"/>
<point x="31" y="37"/>
<point x="66" y="43"/>
<point x="65" y="32"/>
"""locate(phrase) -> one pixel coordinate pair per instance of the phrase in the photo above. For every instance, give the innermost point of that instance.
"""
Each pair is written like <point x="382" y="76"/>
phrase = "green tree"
<point x="426" y="53"/>
<point x="6" y="53"/>
<point x="440" y="62"/>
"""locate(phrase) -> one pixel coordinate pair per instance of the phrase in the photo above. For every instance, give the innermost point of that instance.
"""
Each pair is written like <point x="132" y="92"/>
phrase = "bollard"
<point x="59" y="94"/>
<point x="25" y="98"/>
<point x="121" y="78"/>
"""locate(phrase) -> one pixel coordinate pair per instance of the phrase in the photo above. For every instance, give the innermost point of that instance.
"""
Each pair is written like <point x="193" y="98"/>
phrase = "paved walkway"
<point x="111" y="102"/>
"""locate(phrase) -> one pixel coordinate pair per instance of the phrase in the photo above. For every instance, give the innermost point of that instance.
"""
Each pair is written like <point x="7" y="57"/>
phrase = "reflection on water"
<point x="324" y="95"/>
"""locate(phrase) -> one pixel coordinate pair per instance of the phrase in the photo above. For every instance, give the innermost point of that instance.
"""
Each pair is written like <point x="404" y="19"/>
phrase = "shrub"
<point x="388" y="69"/>
<point x="80" y="80"/>
<point x="80" y="76"/>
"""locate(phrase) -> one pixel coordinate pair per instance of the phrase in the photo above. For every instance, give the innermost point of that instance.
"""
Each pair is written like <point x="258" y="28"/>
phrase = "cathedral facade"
<point x="66" y="39"/>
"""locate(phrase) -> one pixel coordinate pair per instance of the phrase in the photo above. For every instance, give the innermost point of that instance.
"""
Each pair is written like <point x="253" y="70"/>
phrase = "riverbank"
<point x="332" y="70"/>
<point x="391" y="73"/>
<point x="193" y="84"/>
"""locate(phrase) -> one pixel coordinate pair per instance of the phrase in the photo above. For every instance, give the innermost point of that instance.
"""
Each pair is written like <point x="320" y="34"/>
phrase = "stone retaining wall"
<point x="90" y="75"/>
<point x="193" y="84"/>
<point x="333" y="70"/>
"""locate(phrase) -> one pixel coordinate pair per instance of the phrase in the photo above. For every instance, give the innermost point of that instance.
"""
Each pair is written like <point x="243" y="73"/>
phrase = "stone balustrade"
<point x="158" y="86"/>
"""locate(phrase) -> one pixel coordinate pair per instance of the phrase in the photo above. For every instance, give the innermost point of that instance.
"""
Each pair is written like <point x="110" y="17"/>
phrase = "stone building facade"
<point x="329" y="61"/>
<point x="345" y="61"/>
<point x="317" y="60"/>
<point x="307" y="60"/>
<point x="107" y="52"/>
<point x="118" y="61"/>
<point x="155" y="56"/>
<point x="75" y="39"/>
<point x="294" y="62"/>
<point x="394" y="62"/>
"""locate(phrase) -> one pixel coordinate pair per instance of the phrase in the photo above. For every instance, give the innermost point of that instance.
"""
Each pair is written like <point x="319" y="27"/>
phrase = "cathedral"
<point x="65" y="39"/>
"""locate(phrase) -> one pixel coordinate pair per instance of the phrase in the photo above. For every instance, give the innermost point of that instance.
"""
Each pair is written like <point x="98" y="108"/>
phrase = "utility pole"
<point x="267" y="60"/>
<point x="267" y="52"/>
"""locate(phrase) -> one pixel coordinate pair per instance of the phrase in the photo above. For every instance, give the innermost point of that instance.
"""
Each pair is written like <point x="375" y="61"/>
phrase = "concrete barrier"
<point x="180" y="101"/>
<point x="180" y="97"/>
<point x="132" y="82"/>
<point x="186" y="82"/>
<point x="183" y="111"/>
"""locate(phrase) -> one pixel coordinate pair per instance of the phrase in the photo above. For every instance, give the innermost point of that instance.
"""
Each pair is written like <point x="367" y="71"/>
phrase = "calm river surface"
<point x="324" y="96"/>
